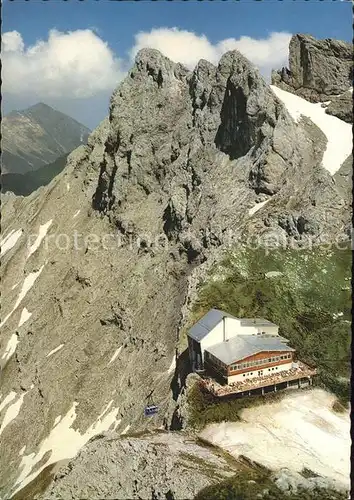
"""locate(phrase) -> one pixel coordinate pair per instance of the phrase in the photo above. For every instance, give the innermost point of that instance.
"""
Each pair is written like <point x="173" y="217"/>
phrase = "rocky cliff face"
<point x="154" y="466"/>
<point x="197" y="146"/>
<point x="320" y="70"/>
<point x="99" y="266"/>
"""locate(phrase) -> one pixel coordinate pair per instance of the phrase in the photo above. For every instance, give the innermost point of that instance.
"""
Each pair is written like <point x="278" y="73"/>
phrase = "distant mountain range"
<point x="38" y="136"/>
<point x="25" y="184"/>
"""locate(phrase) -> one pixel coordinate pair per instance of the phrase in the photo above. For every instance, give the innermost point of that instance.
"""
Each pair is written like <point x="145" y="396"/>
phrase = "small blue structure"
<point x="150" y="408"/>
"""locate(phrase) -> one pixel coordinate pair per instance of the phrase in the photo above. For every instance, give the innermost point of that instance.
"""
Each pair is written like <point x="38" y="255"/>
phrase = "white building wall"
<point x="266" y="371"/>
<point x="216" y="335"/>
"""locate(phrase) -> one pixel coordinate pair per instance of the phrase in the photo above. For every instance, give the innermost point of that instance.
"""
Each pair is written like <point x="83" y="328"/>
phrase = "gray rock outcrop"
<point x="156" y="466"/>
<point x="318" y="69"/>
<point x="293" y="482"/>
<point x="342" y="107"/>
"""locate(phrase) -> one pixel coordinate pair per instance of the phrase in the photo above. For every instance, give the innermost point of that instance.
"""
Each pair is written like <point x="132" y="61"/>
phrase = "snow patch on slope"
<point x="257" y="207"/>
<point x="9" y="349"/>
<point x="10" y="241"/>
<point x="5" y="238"/>
<point x="12" y="412"/>
<point x="294" y="429"/>
<point x="25" y="315"/>
<point x="172" y="365"/>
<point x="115" y="355"/>
<point x="27" y="285"/>
<point x="57" y="420"/>
<point x="7" y="400"/>
<point x="338" y="132"/>
<point x="43" y="229"/>
<point x="55" y="350"/>
<point x="125" y="430"/>
<point x="63" y="443"/>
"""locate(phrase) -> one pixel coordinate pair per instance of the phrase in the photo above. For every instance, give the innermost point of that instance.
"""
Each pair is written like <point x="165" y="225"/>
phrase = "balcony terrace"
<point x="278" y="380"/>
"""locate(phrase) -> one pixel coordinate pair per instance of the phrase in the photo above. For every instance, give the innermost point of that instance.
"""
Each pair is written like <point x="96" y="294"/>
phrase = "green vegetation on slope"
<point x="25" y="184"/>
<point x="253" y="485"/>
<point x="310" y="301"/>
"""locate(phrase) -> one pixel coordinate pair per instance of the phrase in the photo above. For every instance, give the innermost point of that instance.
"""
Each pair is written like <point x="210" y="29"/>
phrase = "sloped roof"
<point x="242" y="346"/>
<point x="207" y="323"/>
<point x="256" y="322"/>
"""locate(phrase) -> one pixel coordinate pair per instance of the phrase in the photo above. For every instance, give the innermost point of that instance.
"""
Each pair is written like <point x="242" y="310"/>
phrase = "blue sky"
<point x="118" y="23"/>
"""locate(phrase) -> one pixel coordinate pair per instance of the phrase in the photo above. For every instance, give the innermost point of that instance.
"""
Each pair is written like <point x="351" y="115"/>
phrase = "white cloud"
<point x="178" y="45"/>
<point x="12" y="42"/>
<point x="76" y="71"/>
<point x="266" y="53"/>
<point x="188" y="47"/>
<point x="74" y="64"/>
